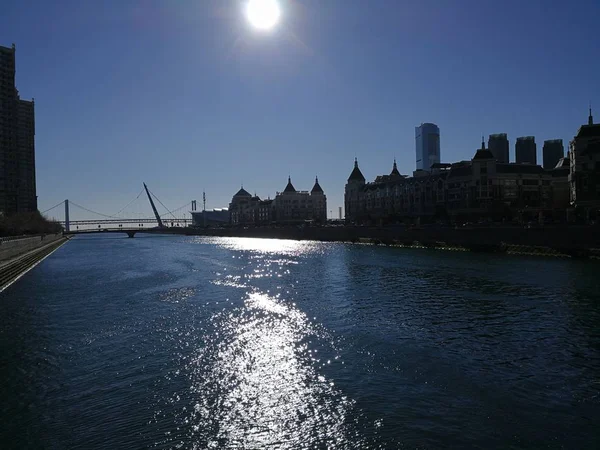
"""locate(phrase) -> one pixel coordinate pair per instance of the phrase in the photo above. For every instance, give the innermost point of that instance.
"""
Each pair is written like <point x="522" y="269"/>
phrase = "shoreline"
<point x="571" y="242"/>
<point x="15" y="268"/>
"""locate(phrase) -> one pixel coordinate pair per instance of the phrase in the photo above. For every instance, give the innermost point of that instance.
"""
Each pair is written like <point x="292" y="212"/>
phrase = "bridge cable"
<point x="49" y="209"/>
<point x="93" y="212"/>
<point x="180" y="208"/>
<point x="123" y="208"/>
<point x="163" y="205"/>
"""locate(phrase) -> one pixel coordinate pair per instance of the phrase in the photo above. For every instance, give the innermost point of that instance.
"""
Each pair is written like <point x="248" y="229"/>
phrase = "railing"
<point x="118" y="221"/>
<point x="16" y="238"/>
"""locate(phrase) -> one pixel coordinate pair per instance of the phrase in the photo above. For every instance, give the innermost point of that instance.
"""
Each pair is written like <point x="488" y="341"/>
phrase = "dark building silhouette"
<point x="466" y="190"/>
<point x="526" y="150"/>
<point x="584" y="179"/>
<point x="289" y="207"/>
<point x="17" y="142"/>
<point x="552" y="152"/>
<point x="353" y="193"/>
<point x="498" y="145"/>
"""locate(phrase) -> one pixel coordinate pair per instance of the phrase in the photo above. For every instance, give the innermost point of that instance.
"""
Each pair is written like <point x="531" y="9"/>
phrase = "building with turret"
<point x="353" y="194"/>
<point x="289" y="206"/>
<point x="480" y="188"/>
<point x="584" y="177"/>
<point x="244" y="208"/>
<point x="292" y="206"/>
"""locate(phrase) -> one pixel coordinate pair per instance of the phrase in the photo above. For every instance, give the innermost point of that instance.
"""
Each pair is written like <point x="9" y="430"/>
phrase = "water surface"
<point x="188" y="342"/>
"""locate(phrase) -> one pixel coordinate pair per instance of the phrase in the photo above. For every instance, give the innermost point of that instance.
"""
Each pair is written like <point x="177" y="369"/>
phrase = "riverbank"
<point x="27" y="256"/>
<point x="566" y="241"/>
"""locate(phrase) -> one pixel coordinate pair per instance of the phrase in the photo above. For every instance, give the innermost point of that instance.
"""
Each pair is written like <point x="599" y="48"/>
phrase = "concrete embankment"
<point x="18" y="256"/>
<point x="570" y="241"/>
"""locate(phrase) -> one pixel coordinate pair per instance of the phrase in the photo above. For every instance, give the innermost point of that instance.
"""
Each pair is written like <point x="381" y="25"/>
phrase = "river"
<point x="191" y="342"/>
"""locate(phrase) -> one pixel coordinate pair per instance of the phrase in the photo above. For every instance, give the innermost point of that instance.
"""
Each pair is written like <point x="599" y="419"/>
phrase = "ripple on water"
<point x="255" y="384"/>
<point x="175" y="295"/>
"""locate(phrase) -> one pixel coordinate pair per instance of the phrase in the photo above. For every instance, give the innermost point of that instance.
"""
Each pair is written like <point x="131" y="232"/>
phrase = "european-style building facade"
<point x="290" y="206"/>
<point x="584" y="177"/>
<point x="478" y="188"/>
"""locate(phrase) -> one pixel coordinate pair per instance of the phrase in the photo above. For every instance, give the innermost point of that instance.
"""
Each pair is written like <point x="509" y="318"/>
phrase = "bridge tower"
<point x="160" y="224"/>
<point x="67" y="224"/>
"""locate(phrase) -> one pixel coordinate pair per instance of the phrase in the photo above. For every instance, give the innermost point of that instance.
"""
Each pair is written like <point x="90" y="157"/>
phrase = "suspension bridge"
<point x="168" y="222"/>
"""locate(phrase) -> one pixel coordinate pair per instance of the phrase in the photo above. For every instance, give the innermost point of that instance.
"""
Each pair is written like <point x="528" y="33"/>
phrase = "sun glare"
<point x="263" y="14"/>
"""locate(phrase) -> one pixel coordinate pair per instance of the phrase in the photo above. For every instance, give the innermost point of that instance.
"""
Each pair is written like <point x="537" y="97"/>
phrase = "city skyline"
<point x="221" y="114"/>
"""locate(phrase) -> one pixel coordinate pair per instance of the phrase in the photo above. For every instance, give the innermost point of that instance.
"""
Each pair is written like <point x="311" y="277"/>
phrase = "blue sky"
<point x="186" y="96"/>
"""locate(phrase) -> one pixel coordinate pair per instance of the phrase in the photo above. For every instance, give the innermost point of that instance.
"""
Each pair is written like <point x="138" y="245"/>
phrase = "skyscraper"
<point x="427" y="137"/>
<point x="17" y="142"/>
<point x="526" y="150"/>
<point x="498" y="145"/>
<point x="553" y="150"/>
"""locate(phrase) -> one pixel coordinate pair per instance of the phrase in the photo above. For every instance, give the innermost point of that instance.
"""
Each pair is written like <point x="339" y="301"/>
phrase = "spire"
<point x="290" y="187"/>
<point x="356" y="174"/>
<point x="395" y="169"/>
<point x="317" y="187"/>
<point x="482" y="142"/>
<point x="590" y="118"/>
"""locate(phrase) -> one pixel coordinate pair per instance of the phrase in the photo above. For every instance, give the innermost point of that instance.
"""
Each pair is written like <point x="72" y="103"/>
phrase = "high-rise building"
<point x="17" y="142"/>
<point x="552" y="152"/>
<point x="427" y="137"/>
<point x="526" y="150"/>
<point x="498" y="145"/>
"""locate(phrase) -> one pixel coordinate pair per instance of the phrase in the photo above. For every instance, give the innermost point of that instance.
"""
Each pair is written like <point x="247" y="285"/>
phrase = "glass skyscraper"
<point x="427" y="137"/>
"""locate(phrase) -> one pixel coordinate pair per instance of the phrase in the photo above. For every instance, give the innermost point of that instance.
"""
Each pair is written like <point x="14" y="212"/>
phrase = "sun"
<point x="263" y="14"/>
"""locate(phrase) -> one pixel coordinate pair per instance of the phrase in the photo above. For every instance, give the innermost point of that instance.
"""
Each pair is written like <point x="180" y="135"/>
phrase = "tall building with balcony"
<point x="526" y="150"/>
<point x="498" y="145"/>
<point x="17" y="142"/>
<point x="427" y="140"/>
<point x="552" y="152"/>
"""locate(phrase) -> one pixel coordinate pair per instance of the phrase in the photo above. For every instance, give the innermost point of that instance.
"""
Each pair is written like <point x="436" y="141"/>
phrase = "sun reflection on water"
<point x="258" y="245"/>
<point x="256" y="385"/>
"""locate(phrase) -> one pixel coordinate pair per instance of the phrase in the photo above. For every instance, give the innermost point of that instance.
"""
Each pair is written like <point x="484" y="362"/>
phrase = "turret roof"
<point x="356" y="174"/>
